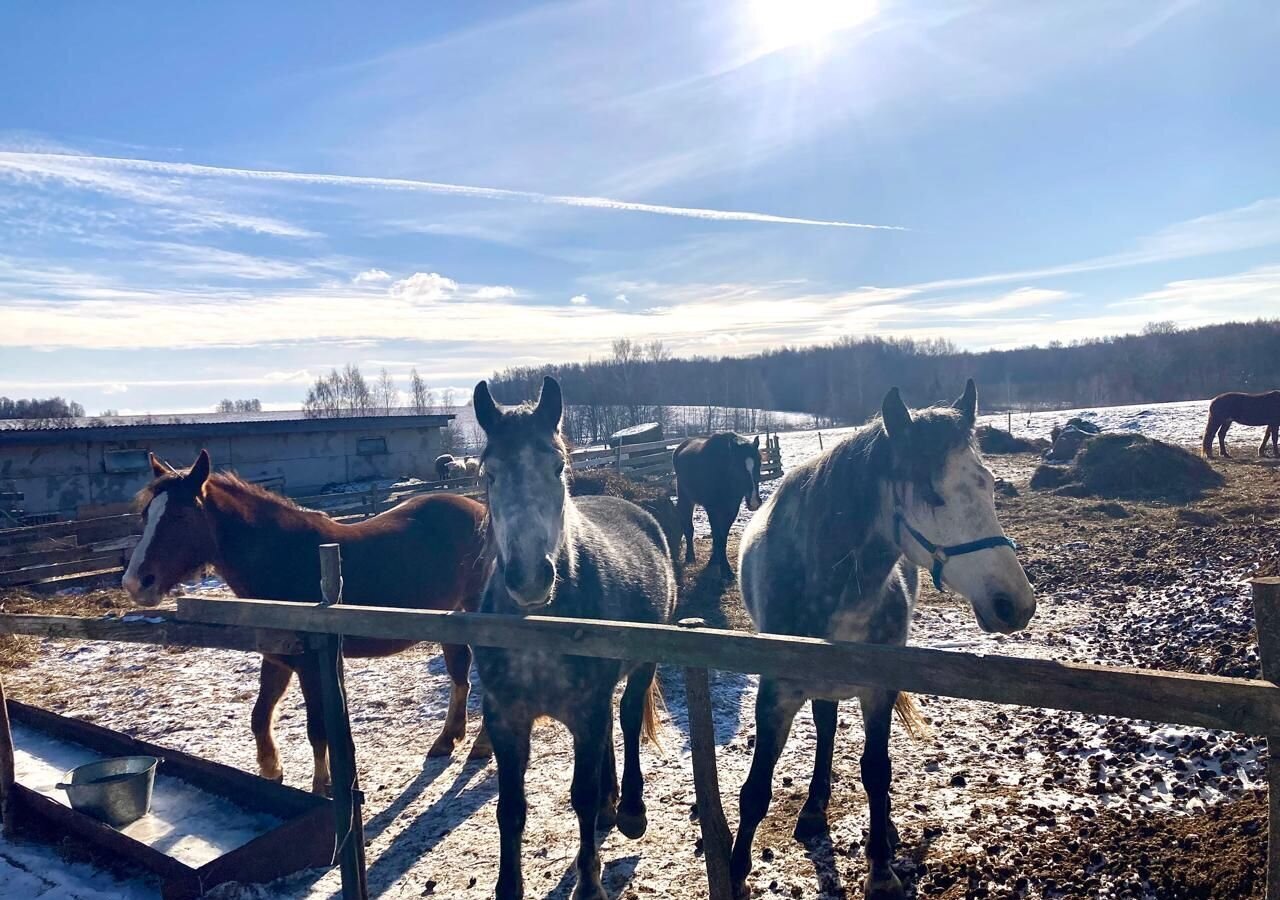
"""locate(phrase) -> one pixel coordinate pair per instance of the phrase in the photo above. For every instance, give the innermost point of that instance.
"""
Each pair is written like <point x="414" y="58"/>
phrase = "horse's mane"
<point x="229" y="481"/>
<point x="845" y="483"/>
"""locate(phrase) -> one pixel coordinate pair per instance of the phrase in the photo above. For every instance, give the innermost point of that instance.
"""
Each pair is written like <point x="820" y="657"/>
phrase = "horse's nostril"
<point x="1003" y="605"/>
<point x="547" y="570"/>
<point x="147" y="581"/>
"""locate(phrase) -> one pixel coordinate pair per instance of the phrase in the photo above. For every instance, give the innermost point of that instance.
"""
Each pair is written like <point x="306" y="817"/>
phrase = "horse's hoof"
<point x="810" y="826"/>
<point x="633" y="824"/>
<point x="883" y="886"/>
<point x="442" y="747"/>
<point x="741" y="891"/>
<point x="590" y="892"/>
<point x="322" y="788"/>
<point x="481" y="749"/>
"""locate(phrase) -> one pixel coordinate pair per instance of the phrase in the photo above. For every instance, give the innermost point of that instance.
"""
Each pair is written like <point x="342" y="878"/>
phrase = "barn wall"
<point x="70" y="478"/>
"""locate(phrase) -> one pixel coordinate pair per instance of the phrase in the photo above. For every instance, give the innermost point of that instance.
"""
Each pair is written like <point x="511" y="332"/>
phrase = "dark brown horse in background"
<point x="1247" y="409"/>
<point x="719" y="472"/>
<point x="425" y="553"/>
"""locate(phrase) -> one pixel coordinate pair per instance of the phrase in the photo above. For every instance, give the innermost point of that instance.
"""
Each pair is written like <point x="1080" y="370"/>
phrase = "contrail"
<point x="40" y="163"/>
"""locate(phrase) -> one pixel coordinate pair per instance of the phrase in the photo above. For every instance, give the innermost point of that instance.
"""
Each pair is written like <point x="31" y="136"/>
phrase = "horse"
<point x="1247" y="409"/>
<point x="834" y="554"/>
<point x="426" y="553"/>
<point x="719" y="472"/>
<point x="583" y="557"/>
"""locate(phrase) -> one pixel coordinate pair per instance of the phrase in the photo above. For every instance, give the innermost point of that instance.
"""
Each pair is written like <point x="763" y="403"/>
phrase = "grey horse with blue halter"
<point x="941" y="554"/>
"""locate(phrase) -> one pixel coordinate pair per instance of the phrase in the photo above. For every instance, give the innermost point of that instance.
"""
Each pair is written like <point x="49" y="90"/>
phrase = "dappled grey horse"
<point x="555" y="555"/>
<point x="834" y="554"/>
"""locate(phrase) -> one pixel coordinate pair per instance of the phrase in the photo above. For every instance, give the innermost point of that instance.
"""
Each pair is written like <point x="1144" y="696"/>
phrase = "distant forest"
<point x="844" y="382"/>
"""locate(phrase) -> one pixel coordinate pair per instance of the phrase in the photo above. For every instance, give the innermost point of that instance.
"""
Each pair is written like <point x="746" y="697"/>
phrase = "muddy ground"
<point x="998" y="802"/>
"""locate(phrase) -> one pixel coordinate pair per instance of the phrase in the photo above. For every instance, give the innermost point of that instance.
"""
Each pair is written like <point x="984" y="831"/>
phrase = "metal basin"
<point x="116" y="791"/>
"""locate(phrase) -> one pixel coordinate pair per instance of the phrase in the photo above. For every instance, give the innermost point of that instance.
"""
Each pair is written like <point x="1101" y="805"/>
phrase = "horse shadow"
<point x="616" y="877"/>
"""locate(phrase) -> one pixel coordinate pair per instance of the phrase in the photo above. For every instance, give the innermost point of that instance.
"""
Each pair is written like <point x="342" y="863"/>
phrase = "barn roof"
<point x="123" y="428"/>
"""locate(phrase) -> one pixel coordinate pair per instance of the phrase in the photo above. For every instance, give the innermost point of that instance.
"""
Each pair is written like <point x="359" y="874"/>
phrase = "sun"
<point x="779" y="24"/>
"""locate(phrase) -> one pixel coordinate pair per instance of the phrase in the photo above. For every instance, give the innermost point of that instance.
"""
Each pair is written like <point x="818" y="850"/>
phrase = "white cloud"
<point x="115" y="388"/>
<point x="425" y="286"/>
<point x="622" y="298"/>
<point x="580" y="300"/>
<point x="1021" y="298"/>
<point x="495" y="292"/>
<point x="371" y="276"/>
<point x="103" y="173"/>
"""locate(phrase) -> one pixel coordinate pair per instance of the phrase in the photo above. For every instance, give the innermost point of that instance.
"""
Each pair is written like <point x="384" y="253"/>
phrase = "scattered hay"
<point x="1046" y="477"/>
<point x="996" y="440"/>
<point x="1110" y="509"/>
<point x="1199" y="517"/>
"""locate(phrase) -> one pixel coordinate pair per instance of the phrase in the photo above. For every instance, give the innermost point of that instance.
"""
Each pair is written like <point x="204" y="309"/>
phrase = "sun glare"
<point x="779" y="24"/>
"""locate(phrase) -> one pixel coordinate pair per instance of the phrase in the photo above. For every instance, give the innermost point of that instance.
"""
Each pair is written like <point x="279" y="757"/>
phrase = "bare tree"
<point x="446" y="400"/>
<point x="423" y="399"/>
<point x="386" y="396"/>
<point x="239" y="406"/>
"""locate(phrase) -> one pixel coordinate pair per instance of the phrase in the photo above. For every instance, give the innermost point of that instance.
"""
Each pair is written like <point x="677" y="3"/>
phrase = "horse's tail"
<point x="910" y="716"/>
<point x="1209" y="429"/>
<point x="651" y="721"/>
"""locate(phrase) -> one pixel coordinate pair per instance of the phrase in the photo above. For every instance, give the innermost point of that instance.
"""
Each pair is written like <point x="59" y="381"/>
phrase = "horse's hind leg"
<point x="312" y="694"/>
<point x="457" y="660"/>
<point x="813" y="817"/>
<point x="877" y="773"/>
<point x="1222" y="437"/>
<point x="273" y="681"/>
<point x="775" y="710"/>
<point x="632" y="816"/>
<point x="590" y="727"/>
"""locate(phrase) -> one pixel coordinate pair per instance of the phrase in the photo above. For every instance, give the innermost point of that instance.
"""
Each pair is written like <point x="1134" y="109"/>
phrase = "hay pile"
<point x="1130" y="466"/>
<point x="997" y="440"/>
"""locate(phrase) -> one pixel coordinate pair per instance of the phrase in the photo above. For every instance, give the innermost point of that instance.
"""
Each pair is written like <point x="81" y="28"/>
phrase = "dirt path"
<point x="1000" y="802"/>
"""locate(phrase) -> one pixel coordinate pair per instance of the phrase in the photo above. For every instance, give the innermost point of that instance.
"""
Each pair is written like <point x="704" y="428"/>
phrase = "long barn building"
<point x="82" y="467"/>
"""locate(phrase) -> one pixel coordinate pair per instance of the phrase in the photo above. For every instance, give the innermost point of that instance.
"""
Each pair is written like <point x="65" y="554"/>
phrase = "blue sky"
<point x="200" y="202"/>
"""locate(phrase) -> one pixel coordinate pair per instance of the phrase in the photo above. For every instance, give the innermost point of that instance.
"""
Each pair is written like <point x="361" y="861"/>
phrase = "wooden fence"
<point x="1250" y="706"/>
<point x="65" y="554"/>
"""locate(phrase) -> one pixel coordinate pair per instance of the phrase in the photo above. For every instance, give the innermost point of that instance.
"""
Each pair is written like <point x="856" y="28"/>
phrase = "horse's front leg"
<point x="1222" y="438"/>
<point x="813" y="817"/>
<point x="877" y="773"/>
<point x="776" y="708"/>
<point x="273" y="681"/>
<point x="509" y="730"/>
<point x="637" y="703"/>
<point x="590" y="732"/>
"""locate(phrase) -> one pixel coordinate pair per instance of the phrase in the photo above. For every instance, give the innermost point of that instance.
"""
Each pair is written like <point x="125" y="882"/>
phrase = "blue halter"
<point x="942" y="554"/>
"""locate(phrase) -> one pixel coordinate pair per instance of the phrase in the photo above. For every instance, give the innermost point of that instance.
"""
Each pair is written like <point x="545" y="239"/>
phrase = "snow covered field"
<point x="431" y="824"/>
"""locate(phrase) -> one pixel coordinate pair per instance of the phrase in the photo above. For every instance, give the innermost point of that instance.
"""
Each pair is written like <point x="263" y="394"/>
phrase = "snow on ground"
<point x="431" y="824"/>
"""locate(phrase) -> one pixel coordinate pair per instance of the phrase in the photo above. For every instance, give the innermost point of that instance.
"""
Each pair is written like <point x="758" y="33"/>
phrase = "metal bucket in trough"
<point x="116" y="791"/>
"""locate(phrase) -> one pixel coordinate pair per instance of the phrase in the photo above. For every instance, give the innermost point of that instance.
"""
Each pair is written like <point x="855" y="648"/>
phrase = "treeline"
<point x="844" y="381"/>
<point x="52" y="409"/>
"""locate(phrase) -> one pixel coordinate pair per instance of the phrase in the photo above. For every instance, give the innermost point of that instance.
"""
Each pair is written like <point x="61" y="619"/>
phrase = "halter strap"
<point x="941" y="554"/>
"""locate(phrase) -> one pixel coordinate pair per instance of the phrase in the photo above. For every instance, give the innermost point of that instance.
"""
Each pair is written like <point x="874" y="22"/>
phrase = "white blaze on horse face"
<point x="753" y="489"/>
<point x="132" y="579"/>
<point x="526" y="504"/>
<point x="991" y="580"/>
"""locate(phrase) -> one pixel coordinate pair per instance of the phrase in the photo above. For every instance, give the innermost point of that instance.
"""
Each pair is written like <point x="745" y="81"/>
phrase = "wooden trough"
<point x="303" y="839"/>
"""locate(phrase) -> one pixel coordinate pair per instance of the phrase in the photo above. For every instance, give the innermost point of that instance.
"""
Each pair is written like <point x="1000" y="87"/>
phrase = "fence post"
<point x="1266" y="614"/>
<point x="348" y="799"/>
<point x="717" y="843"/>
<point x="6" y="764"/>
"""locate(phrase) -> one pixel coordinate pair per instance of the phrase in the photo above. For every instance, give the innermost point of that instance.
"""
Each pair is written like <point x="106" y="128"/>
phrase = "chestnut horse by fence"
<point x="426" y="553"/>
<point x="1247" y="409"/>
<point x="719" y="472"/>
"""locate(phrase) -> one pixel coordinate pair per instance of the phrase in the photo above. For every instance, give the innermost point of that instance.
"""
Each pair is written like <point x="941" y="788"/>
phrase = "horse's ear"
<point x="550" y="404"/>
<point x="896" y="416"/>
<point x="158" y="466"/>
<point x="199" y="473"/>
<point x="968" y="403"/>
<point x="487" y="413"/>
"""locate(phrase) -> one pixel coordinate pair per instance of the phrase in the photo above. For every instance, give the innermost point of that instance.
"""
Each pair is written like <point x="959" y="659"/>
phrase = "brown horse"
<point x="426" y="553"/>
<point x="1247" y="409"/>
